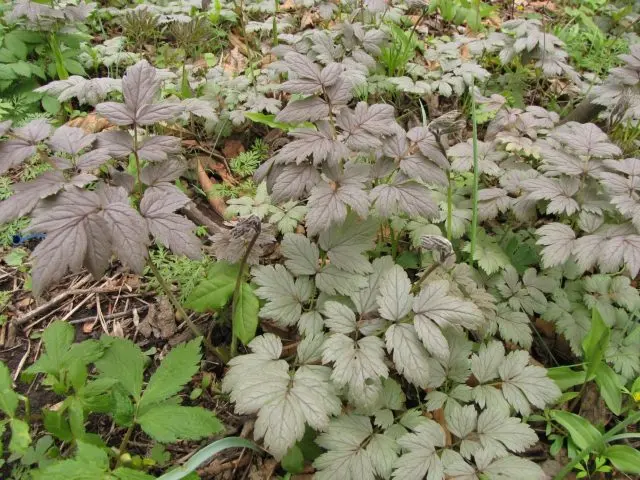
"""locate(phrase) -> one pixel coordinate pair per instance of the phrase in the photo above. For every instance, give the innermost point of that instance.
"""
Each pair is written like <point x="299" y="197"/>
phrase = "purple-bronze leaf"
<point x="167" y="171"/>
<point x="70" y="140"/>
<point x="157" y="148"/>
<point x="307" y="109"/>
<point x="34" y="132"/>
<point x="118" y="144"/>
<point x="173" y="231"/>
<point x="4" y="127"/>
<point x="159" y="112"/>
<point x="406" y="197"/>
<point x="93" y="159"/>
<point x="98" y="252"/>
<point x="294" y="182"/>
<point x="116" y="113"/>
<point x="140" y="85"/>
<point x="14" y="152"/>
<point x="65" y="246"/>
<point x="129" y="233"/>
<point x="27" y="195"/>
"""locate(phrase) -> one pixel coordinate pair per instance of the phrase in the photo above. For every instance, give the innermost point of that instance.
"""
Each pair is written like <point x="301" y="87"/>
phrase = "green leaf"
<point x="270" y="121"/>
<point x="583" y="434"/>
<point x="293" y="461"/>
<point x="56" y="424"/>
<point x="76" y="417"/>
<point x="245" y="314"/>
<point x="130" y="474"/>
<point x="21" y="68"/>
<point x="14" y="43"/>
<point x="211" y="294"/>
<point x="122" y="408"/>
<point x="624" y="458"/>
<point x="57" y="339"/>
<point x="74" y="67"/>
<point x="205" y="454"/>
<point x="51" y="104"/>
<point x="170" y="423"/>
<point x="69" y="470"/>
<point x="174" y="372"/>
<point x="8" y="398"/>
<point x="610" y="387"/>
<point x="595" y="343"/>
<point x="223" y="269"/>
<point x="123" y="361"/>
<point x="92" y="455"/>
<point x="7" y="56"/>
<point x="20" y="438"/>
<point x="566" y="377"/>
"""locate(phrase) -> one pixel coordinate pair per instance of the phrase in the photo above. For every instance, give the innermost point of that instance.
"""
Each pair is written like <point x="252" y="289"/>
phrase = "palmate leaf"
<point x="334" y="281"/>
<point x="409" y="355"/>
<point x="395" y="300"/>
<point x="328" y="201"/>
<point x="345" y="456"/>
<point x="260" y="383"/>
<point x="140" y="85"/>
<point x="169" y="423"/>
<point x="419" y="458"/>
<point x="16" y="150"/>
<point x="346" y="243"/>
<point x="358" y="364"/>
<point x="302" y="255"/>
<point x="174" y="372"/>
<point x="172" y="230"/>
<point x="407" y="197"/>
<point x="285" y="296"/>
<point x="27" y="195"/>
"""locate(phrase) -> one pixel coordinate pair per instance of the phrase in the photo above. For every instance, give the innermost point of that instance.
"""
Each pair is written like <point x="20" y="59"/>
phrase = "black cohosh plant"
<point x="369" y="325"/>
<point x="85" y="226"/>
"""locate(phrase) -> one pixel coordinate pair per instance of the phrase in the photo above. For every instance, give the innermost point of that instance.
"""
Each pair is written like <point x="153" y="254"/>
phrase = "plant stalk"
<point x="218" y="352"/>
<point x="123" y="444"/>
<point x="476" y="178"/>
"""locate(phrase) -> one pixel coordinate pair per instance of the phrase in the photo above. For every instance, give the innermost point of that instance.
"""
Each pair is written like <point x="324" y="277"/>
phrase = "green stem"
<point x="606" y="437"/>
<point x="123" y="444"/>
<point x="476" y="178"/>
<point x="429" y="271"/>
<point x="218" y="352"/>
<point x="236" y="292"/>
<point x="449" y="208"/>
<point x="61" y="70"/>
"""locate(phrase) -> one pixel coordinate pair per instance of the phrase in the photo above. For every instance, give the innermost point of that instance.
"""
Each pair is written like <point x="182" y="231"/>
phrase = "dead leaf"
<point x="547" y="328"/>
<point x="592" y="406"/>
<point x="232" y="148"/>
<point x="92" y="123"/>
<point x="207" y="183"/>
<point x="235" y="62"/>
<point x="160" y="320"/>
<point x="309" y="19"/>
<point x="238" y="43"/>
<point x="117" y="331"/>
<point x="288" y="5"/>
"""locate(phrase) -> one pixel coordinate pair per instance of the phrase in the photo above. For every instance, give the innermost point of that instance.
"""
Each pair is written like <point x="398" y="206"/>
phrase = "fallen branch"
<point x="50" y="304"/>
